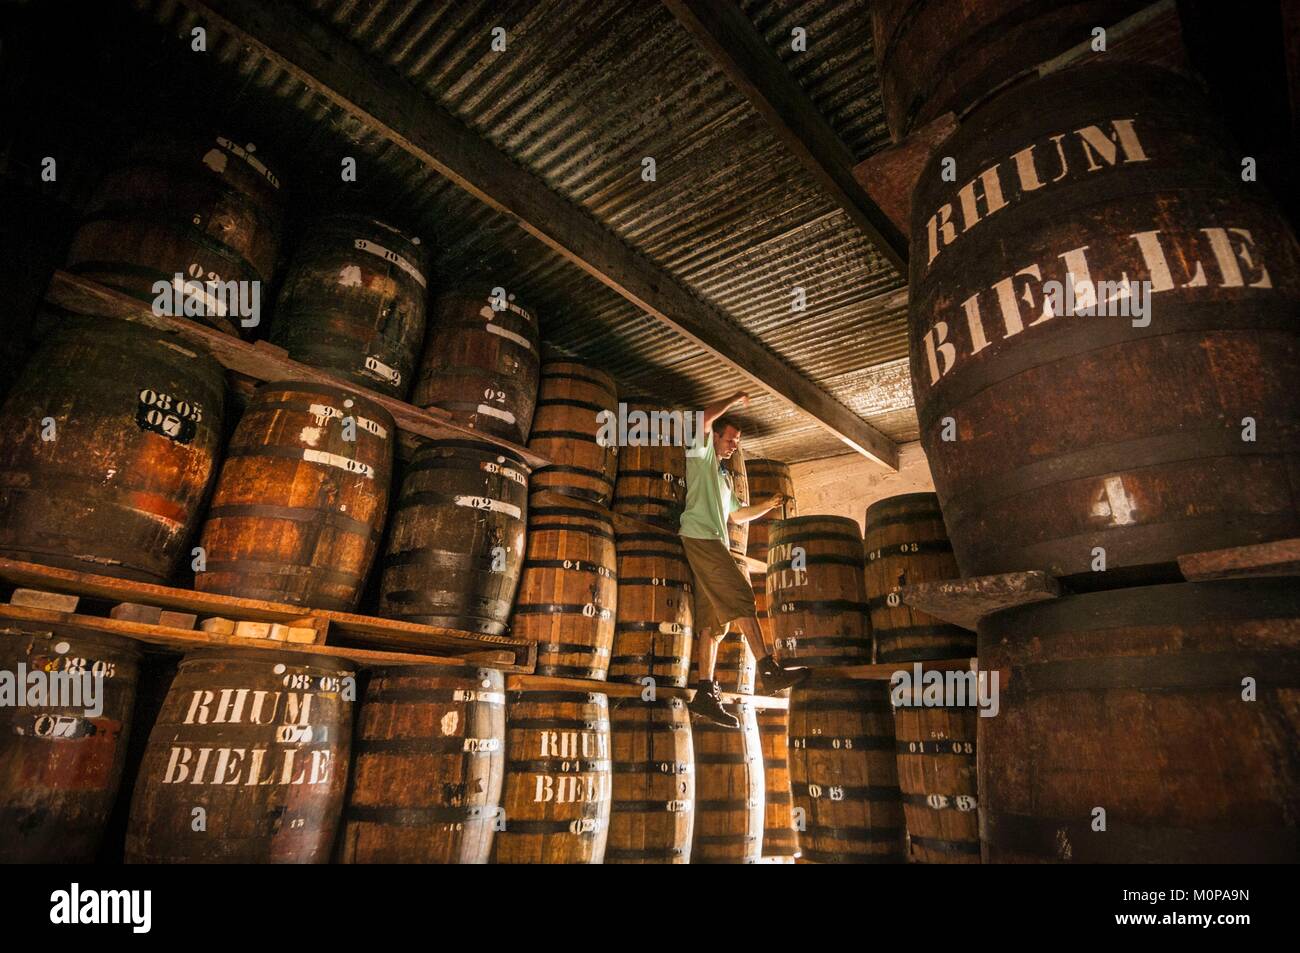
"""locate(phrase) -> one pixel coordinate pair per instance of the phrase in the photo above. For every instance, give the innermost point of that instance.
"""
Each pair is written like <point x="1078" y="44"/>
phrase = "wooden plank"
<point x="552" y="683"/>
<point x="187" y="640"/>
<point x="1278" y="558"/>
<point x="739" y="50"/>
<point x="964" y="602"/>
<point x="884" y="671"/>
<point x="370" y="92"/>
<point x="262" y="361"/>
<point x="369" y="628"/>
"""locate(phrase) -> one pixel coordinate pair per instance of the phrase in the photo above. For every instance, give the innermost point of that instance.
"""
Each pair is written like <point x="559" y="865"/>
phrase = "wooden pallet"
<point x="359" y="637"/>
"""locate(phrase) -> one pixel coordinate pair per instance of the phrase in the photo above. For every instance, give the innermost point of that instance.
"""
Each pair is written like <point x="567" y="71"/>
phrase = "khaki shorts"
<point x="722" y="592"/>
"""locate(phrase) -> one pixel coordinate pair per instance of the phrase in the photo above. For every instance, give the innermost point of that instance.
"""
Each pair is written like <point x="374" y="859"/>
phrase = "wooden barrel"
<point x="61" y="763"/>
<point x="300" y="506"/>
<point x="651" y="484"/>
<point x="844" y="773"/>
<point x="729" y="793"/>
<point x="936" y="773"/>
<point x="654" y="622"/>
<point x="1074" y="433"/>
<point x="481" y="365"/>
<point x="1172" y="708"/>
<point x="816" y="600"/>
<point x="108" y="445"/>
<point x="906" y="544"/>
<point x="758" y="582"/>
<point x="259" y="740"/>
<point x="567" y="430"/>
<point x="653" y="810"/>
<point x="763" y="478"/>
<point x="353" y="302"/>
<point x="568" y="595"/>
<point x="738" y="533"/>
<point x="455" y="549"/>
<point x="558" y="782"/>
<point x="734" y="668"/>
<point x="206" y="208"/>
<point x="429" y="763"/>
<point x="780" y="845"/>
<point x="935" y="57"/>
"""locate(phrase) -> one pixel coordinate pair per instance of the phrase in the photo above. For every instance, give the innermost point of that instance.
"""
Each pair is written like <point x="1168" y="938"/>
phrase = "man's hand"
<point x="775" y="500"/>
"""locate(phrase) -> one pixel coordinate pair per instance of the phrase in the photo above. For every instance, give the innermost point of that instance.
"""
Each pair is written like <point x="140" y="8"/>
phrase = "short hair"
<point x="720" y="425"/>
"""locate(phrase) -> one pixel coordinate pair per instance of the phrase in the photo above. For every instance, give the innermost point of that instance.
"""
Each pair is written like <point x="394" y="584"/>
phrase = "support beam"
<point x="736" y="47"/>
<point x="369" y="91"/>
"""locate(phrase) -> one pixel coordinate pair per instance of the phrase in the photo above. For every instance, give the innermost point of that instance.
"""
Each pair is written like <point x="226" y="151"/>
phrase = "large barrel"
<point x="780" y="845"/>
<point x="353" y="302"/>
<point x="558" y="782"/>
<point x="300" y="506"/>
<point x="654" y="622"/>
<point x="906" y="544"/>
<point x="651" y="483"/>
<point x="936" y="773"/>
<point x="567" y="429"/>
<point x="247" y="762"/>
<point x="844" y="773"/>
<point x="60" y="762"/>
<point x="730" y="797"/>
<point x="946" y="57"/>
<point x="1076" y="436"/>
<point x="481" y="365"/>
<point x="763" y="478"/>
<point x="429" y="763"/>
<point x="653" y="810"/>
<point x="1171" y="708"/>
<point x="456" y="544"/>
<point x="569" y="591"/>
<point x="108" y="445"/>
<point x="816" y="600"/>
<point x="205" y="208"/>
<point x="738" y="533"/>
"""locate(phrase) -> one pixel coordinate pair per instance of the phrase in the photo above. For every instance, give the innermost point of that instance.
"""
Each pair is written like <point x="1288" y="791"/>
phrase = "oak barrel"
<point x="572" y="402"/>
<point x="1172" y="708"/>
<point x="1077" y="437"/>
<point x="353" y="302"/>
<point x="205" y="208"/>
<point x="936" y="773"/>
<point x="558" y="785"/>
<point x="764" y="478"/>
<point x="729" y="792"/>
<point x="568" y="594"/>
<point x="653" y="810"/>
<point x="60" y="762"/>
<point x="455" y="548"/>
<point x="481" y="365"/>
<point x="651" y="482"/>
<point x="816" y="598"/>
<point x="844" y="774"/>
<point x="300" y="506"/>
<point x="906" y="543"/>
<point x="946" y="57"/>
<point x="654" y="621"/>
<point x="780" y="844"/>
<point x="429" y="753"/>
<point x="257" y="739"/>
<point x="738" y="533"/>
<point x="109" y="443"/>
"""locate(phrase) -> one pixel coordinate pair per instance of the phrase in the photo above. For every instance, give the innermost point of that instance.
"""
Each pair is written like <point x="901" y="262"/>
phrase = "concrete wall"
<point x="848" y="484"/>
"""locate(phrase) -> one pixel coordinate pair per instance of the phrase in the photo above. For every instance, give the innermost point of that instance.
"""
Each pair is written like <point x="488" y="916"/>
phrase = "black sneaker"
<point x="772" y="678"/>
<point x="707" y="703"/>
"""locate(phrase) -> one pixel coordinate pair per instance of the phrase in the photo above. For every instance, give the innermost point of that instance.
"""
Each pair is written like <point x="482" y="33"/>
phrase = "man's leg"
<point x="706" y="653"/>
<point x="753" y="634"/>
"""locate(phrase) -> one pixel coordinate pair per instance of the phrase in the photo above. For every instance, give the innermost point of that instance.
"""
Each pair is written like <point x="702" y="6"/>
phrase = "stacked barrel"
<point x="764" y="478"/>
<point x="1104" y="351"/>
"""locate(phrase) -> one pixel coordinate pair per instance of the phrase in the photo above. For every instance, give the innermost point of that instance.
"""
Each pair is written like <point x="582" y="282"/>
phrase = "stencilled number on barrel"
<point x="478" y="502"/>
<point x="163" y="414"/>
<point x="965" y="803"/>
<point x="962" y="747"/>
<point x="873" y="555"/>
<point x="298" y="680"/>
<point x="491" y="393"/>
<point x="838" y="743"/>
<point x="909" y="548"/>
<point x="893" y="600"/>
<point x="936" y="801"/>
<point x="814" y="790"/>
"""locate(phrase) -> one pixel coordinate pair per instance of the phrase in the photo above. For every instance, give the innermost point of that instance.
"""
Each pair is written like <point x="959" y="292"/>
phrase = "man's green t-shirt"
<point x="708" y="492"/>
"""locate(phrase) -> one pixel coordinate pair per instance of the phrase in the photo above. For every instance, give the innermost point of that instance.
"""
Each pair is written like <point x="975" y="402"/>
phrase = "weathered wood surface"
<point x="965" y="602"/>
<point x="1278" y="558"/>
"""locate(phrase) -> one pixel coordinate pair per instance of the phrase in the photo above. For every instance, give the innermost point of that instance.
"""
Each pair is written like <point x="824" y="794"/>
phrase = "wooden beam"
<point x="369" y="91"/>
<point x="739" y="50"/>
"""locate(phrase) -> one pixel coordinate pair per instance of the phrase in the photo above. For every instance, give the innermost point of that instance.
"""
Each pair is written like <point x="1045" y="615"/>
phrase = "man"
<point x="723" y="594"/>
